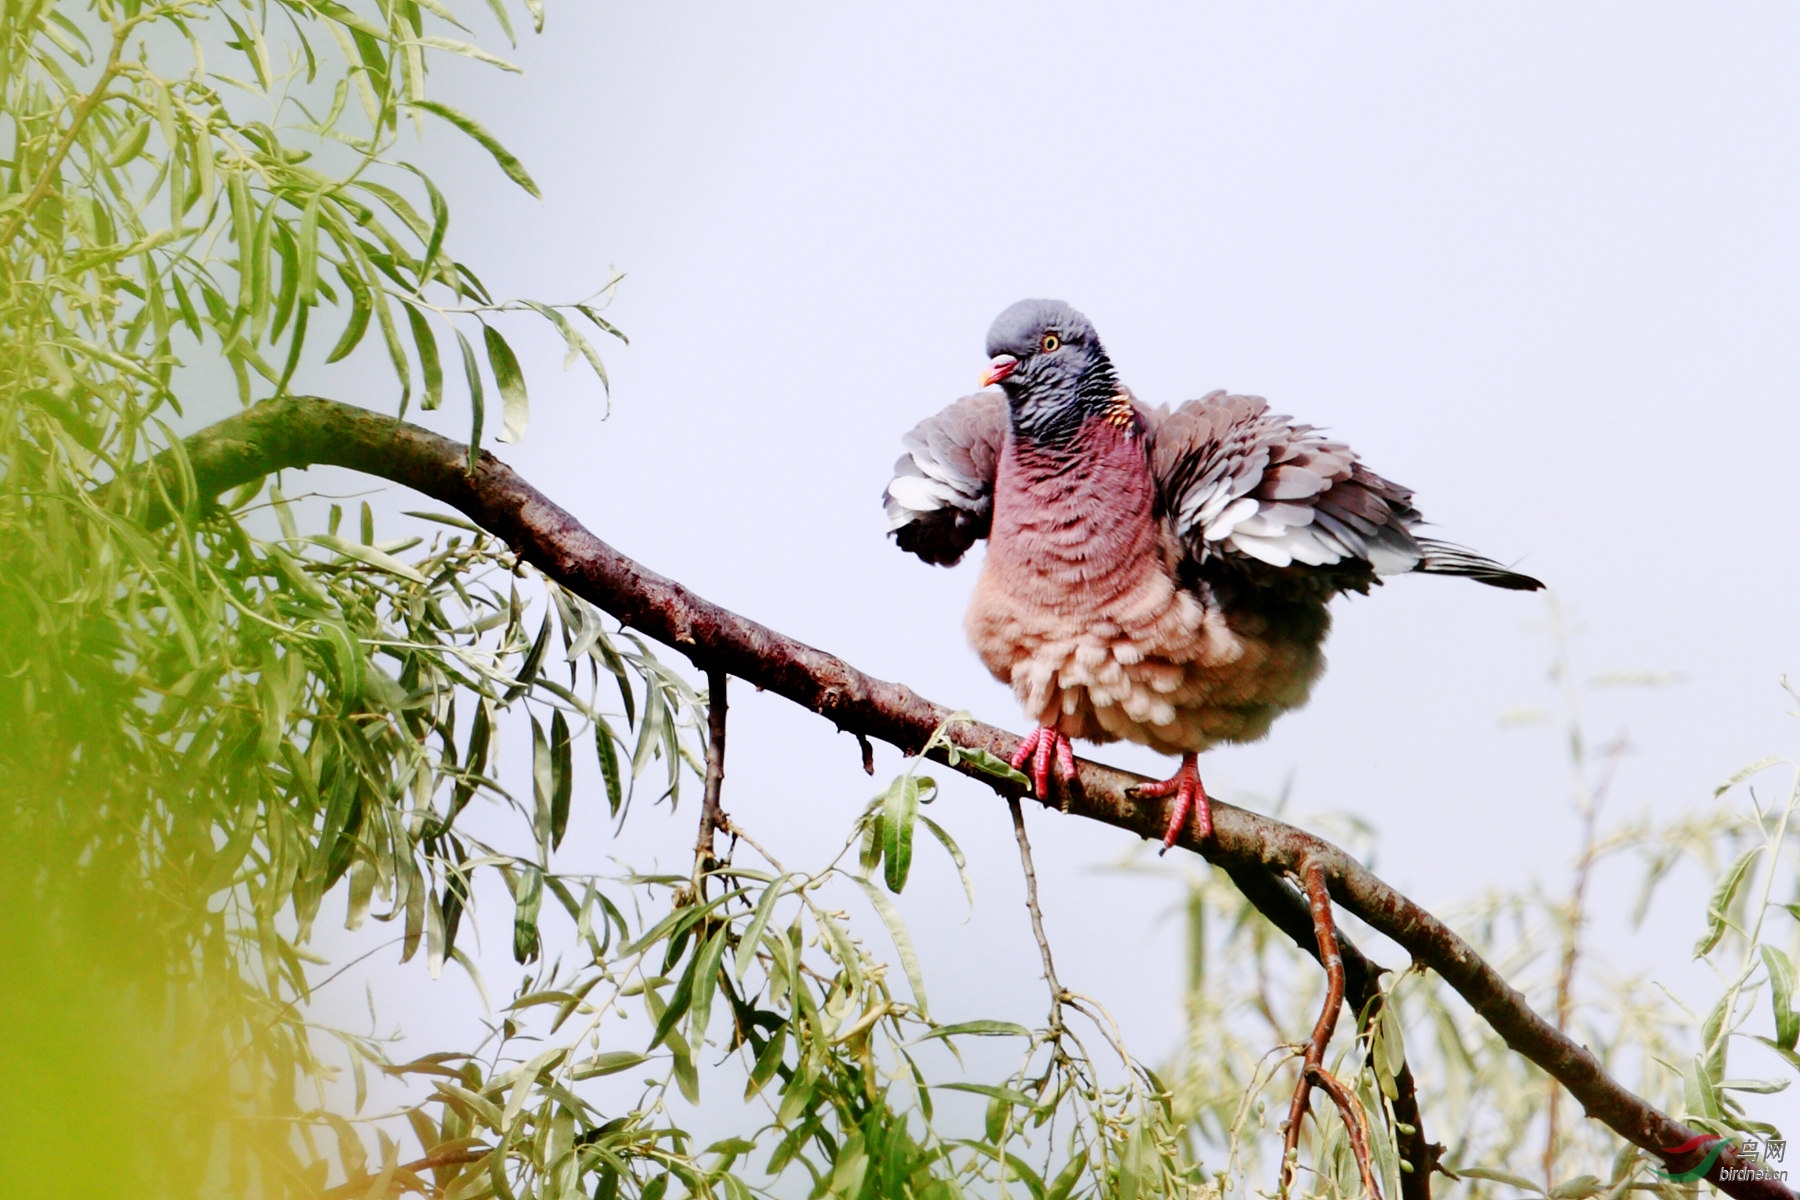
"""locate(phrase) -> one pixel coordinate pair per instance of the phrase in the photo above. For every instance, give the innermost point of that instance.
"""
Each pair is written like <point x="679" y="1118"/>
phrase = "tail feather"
<point x="1442" y="558"/>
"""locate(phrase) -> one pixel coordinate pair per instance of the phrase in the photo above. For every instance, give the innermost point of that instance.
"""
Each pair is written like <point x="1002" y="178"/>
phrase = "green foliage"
<point x="218" y="721"/>
<point x="1250" y="990"/>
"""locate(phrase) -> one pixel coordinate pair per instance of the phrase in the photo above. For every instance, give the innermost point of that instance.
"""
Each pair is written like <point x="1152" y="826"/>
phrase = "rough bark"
<point x="1258" y="853"/>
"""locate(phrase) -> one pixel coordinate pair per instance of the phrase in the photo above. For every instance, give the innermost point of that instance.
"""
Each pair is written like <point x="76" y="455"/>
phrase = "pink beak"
<point x="1002" y="366"/>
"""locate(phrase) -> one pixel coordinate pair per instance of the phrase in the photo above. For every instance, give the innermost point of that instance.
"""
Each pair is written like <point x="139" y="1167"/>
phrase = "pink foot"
<point x="1039" y="748"/>
<point x="1190" y="797"/>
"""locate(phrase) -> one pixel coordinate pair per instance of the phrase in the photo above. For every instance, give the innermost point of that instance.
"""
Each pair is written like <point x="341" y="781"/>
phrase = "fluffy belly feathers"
<point x="1078" y="608"/>
<point x="1149" y="663"/>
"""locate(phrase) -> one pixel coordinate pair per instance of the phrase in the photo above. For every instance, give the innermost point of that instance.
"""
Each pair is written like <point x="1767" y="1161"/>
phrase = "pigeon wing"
<point x="1252" y="492"/>
<point x="941" y="498"/>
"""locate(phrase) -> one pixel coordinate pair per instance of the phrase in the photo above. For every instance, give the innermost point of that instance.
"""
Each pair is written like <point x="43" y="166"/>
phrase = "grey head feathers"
<point x="1017" y="330"/>
<point x="1060" y="373"/>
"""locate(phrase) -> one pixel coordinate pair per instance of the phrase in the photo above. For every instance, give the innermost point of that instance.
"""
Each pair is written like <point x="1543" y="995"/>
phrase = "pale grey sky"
<point x="1540" y="262"/>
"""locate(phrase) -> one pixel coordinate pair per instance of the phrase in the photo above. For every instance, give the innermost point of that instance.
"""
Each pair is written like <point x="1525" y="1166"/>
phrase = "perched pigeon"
<point x="1155" y="575"/>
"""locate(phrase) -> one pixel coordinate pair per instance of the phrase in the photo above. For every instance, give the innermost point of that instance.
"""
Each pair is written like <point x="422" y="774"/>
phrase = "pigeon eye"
<point x="1050" y="343"/>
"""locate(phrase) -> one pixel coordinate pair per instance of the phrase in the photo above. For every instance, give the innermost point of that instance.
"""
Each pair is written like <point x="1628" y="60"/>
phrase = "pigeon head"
<point x="1049" y="361"/>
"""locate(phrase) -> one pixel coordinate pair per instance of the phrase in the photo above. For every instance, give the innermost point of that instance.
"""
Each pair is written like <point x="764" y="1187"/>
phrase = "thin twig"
<point x="1574" y="921"/>
<point x="1356" y="1123"/>
<point x="1057" y="995"/>
<point x="1286" y="909"/>
<point x="299" y="431"/>
<point x="1589" y="798"/>
<point x="1320" y="902"/>
<point x="1272" y="1061"/>
<point x="710" y="815"/>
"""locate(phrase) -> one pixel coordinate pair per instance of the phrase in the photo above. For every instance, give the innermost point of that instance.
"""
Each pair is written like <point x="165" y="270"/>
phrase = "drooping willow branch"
<point x="1257" y="852"/>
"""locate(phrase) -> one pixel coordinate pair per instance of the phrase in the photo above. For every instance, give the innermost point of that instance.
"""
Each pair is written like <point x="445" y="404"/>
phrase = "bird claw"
<point x="1190" y="797"/>
<point x="1042" y="746"/>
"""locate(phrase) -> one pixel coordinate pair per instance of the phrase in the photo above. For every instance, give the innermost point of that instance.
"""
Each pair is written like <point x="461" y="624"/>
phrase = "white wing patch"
<point x="941" y="498"/>
<point x="916" y="490"/>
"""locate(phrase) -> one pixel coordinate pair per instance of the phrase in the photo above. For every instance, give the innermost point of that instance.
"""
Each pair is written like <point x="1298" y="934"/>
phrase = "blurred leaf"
<point x="706" y="984"/>
<point x="467" y="50"/>
<point x="511" y="382"/>
<point x="1063" y="1186"/>
<point x="768" y="1062"/>
<point x="579" y="346"/>
<point x="1788" y="1054"/>
<point x="677" y="1008"/>
<point x="1781" y="995"/>
<point x="527" y="674"/>
<point x="1698" y="1094"/>
<point x="1634" y="679"/>
<point x="851" y="1165"/>
<point x="1737" y="777"/>
<point x="843" y="948"/>
<point x="368" y="554"/>
<point x="562" y="777"/>
<point x="1718" y="911"/>
<point x="869" y="854"/>
<point x="543" y="784"/>
<point x="1390" y="1043"/>
<point x="528" y="897"/>
<point x="899" y="807"/>
<point x="361" y="308"/>
<point x="498" y="8"/>
<point x="682" y="918"/>
<point x="956" y="856"/>
<point x="982" y="1028"/>
<point x="609" y="1063"/>
<point x="617" y="666"/>
<point x="903" y="943"/>
<point x="751" y="942"/>
<point x="600" y="322"/>
<point x="426" y="343"/>
<point x="1005" y="1095"/>
<point x="609" y="766"/>
<point x="989" y="763"/>
<point x="515" y="171"/>
<point x="1761" y="1087"/>
<point x="130" y="144"/>
<point x="477" y="403"/>
<point x="1497" y="1176"/>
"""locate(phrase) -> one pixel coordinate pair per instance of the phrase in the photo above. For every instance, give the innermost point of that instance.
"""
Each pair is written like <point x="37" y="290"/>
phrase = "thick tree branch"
<point x="300" y="431"/>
